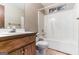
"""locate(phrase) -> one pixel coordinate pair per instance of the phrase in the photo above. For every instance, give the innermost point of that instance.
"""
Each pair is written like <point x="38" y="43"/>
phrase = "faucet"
<point x="13" y="29"/>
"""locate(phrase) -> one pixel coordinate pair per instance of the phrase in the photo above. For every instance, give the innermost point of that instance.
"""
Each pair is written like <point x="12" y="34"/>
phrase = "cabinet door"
<point x="17" y="52"/>
<point x="30" y="49"/>
<point x="27" y="50"/>
<point x="33" y="48"/>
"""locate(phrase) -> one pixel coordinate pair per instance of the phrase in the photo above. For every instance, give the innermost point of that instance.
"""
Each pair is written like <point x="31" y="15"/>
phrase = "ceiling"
<point x="21" y="5"/>
<point x="53" y="4"/>
<point x="46" y="4"/>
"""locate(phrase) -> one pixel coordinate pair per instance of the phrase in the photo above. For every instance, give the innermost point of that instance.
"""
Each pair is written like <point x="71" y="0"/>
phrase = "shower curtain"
<point x="59" y="29"/>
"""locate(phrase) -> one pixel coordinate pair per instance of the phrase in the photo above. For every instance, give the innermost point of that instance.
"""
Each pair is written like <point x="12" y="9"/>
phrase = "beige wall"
<point x="31" y="16"/>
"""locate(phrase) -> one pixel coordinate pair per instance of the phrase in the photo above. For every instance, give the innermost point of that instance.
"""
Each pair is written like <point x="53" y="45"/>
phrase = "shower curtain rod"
<point x="44" y="8"/>
<point x="47" y="7"/>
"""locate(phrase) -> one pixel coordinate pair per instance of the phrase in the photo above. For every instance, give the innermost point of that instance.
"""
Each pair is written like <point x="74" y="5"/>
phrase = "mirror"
<point x="12" y="16"/>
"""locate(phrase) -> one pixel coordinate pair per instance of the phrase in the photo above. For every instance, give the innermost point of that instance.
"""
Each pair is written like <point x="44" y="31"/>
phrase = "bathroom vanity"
<point x="18" y="44"/>
<point x="13" y="40"/>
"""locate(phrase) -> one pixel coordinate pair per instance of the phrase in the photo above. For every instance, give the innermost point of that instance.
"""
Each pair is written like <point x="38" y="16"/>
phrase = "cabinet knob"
<point x="23" y="51"/>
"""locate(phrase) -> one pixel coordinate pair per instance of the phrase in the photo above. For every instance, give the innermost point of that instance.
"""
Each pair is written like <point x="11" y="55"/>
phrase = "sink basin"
<point x="6" y="32"/>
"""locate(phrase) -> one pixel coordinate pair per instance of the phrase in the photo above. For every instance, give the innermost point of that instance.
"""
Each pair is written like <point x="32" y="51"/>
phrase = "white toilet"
<point x="41" y="44"/>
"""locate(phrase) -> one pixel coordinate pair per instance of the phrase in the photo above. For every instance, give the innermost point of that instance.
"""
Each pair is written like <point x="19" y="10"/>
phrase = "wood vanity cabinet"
<point x="25" y="45"/>
<point x="27" y="50"/>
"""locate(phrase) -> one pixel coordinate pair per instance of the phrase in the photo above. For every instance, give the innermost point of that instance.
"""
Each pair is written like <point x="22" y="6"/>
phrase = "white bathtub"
<point x="64" y="46"/>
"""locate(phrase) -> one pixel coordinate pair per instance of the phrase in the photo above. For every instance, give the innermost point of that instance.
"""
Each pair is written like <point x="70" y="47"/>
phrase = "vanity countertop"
<point x="4" y="36"/>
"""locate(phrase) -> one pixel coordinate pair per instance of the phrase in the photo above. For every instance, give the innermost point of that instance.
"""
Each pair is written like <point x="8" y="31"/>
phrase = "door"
<point x="1" y="16"/>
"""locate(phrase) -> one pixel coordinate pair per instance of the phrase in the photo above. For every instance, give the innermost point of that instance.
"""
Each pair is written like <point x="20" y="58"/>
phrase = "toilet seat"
<point x="42" y="43"/>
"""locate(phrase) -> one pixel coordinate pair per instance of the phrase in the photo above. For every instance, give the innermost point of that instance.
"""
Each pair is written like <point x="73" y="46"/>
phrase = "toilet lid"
<point x="42" y="43"/>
